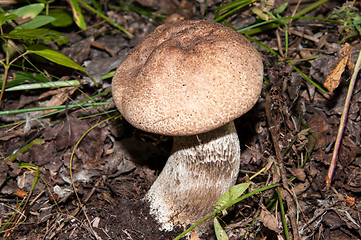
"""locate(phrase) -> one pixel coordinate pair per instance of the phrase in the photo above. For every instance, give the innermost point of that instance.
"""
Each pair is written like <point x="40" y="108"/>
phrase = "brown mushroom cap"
<point x="187" y="78"/>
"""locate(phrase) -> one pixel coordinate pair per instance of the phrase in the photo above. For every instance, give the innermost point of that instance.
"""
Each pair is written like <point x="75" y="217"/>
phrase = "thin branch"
<point x="288" y="194"/>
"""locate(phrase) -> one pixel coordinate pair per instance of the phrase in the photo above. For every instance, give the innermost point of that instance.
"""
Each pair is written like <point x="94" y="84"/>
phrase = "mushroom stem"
<point x="199" y="171"/>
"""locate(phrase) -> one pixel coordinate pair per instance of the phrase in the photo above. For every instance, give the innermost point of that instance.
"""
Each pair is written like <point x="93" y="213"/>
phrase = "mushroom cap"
<point x="187" y="78"/>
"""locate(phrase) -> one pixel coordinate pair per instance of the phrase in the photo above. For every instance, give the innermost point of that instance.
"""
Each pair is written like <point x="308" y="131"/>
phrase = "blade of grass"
<point x="263" y="46"/>
<point x="283" y="214"/>
<point x="263" y="26"/>
<point x="132" y="8"/>
<point x="84" y="4"/>
<point x="98" y="114"/>
<point x="309" y="79"/>
<point x="58" y="84"/>
<point x="302" y="59"/>
<point x="227" y="7"/>
<point x="293" y="66"/>
<point x="52" y="107"/>
<point x="24" y="149"/>
<point x="310" y="7"/>
<point x="79" y="104"/>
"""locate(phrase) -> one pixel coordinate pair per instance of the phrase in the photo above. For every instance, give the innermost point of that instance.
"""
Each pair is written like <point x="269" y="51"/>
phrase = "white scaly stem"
<point x="200" y="169"/>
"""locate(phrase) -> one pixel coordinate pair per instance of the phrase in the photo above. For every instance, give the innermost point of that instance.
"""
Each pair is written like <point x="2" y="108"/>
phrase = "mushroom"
<point x="190" y="80"/>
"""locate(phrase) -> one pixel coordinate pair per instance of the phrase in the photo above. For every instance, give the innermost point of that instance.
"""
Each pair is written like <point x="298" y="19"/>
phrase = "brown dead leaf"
<point x="350" y="201"/>
<point x="346" y="50"/>
<point x="333" y="78"/>
<point x="95" y="222"/>
<point x="194" y="236"/>
<point x="269" y="221"/>
<point x="302" y="187"/>
<point x="21" y="194"/>
<point x="4" y="168"/>
<point x="299" y="173"/>
<point x="7" y="135"/>
<point x="320" y="128"/>
<point x="102" y="47"/>
<point x="59" y="98"/>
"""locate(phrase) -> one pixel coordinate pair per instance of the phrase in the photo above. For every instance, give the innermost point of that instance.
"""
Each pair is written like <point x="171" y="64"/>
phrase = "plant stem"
<point x="342" y="122"/>
<point x="6" y="69"/>
<point x="310" y="7"/>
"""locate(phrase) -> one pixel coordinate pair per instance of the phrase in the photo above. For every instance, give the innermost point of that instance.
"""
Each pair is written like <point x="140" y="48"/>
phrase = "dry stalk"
<point x="343" y="122"/>
<point x="273" y="129"/>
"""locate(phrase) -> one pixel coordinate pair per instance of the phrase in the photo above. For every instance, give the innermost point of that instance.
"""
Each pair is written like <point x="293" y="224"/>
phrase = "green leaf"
<point x="5" y="16"/>
<point x="281" y="8"/>
<point x="220" y="233"/>
<point x="21" y="77"/>
<point x="357" y="22"/>
<point x="29" y="11"/>
<point x="31" y="34"/>
<point x="108" y="75"/>
<point x="36" y="22"/>
<point x="46" y="1"/>
<point x="57" y="36"/>
<point x="77" y="15"/>
<point x="54" y="56"/>
<point x="62" y="17"/>
<point x="232" y="194"/>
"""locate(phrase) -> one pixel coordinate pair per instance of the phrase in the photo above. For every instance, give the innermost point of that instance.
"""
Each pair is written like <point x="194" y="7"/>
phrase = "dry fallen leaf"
<point x="346" y="50"/>
<point x="21" y="194"/>
<point x="194" y="236"/>
<point x="269" y="221"/>
<point x="333" y="78"/>
<point x="59" y="98"/>
<point x="299" y="173"/>
<point x="350" y="201"/>
<point x="95" y="222"/>
<point x="301" y="187"/>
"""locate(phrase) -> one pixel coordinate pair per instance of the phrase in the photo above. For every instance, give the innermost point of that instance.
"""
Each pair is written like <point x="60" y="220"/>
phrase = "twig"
<point x="343" y="122"/>
<point x="290" y="204"/>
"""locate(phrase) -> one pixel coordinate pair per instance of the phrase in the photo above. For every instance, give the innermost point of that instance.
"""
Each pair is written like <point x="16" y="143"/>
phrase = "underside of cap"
<point x="188" y="78"/>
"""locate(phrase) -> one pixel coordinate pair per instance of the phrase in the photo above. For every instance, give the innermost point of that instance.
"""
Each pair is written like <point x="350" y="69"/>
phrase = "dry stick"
<point x="290" y="204"/>
<point x="342" y="122"/>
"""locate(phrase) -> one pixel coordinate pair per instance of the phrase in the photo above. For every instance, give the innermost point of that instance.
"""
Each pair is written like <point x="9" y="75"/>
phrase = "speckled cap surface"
<point x="187" y="78"/>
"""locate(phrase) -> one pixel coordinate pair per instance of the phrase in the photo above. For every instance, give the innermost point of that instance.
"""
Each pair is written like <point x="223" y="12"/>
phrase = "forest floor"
<point x="115" y="164"/>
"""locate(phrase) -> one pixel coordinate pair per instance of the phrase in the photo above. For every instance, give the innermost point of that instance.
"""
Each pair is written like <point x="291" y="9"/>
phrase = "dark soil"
<point x="115" y="164"/>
